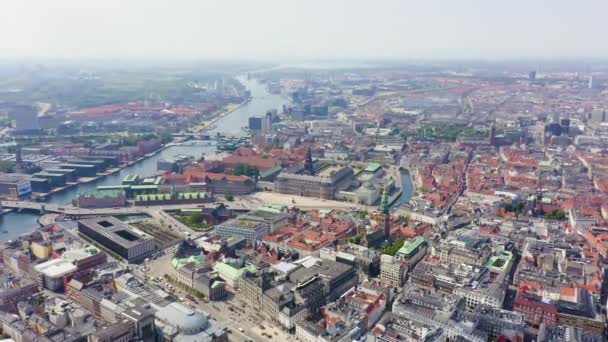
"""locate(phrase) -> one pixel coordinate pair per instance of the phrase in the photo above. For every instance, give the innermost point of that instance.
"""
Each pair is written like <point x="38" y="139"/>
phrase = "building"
<point x="365" y="260"/>
<point x="231" y="273"/>
<point x="244" y="227"/>
<point x="176" y="322"/>
<point x="412" y="251"/>
<point x="566" y="333"/>
<point x="322" y="185"/>
<point x="119" y="238"/>
<point x="497" y="322"/>
<point x="255" y="123"/>
<point x="115" y="332"/>
<point x="535" y="311"/>
<point x="436" y="309"/>
<point x="53" y="274"/>
<point x="141" y="318"/>
<point x="14" y="186"/>
<point x="393" y="270"/>
<point x="26" y="118"/>
<point x="210" y="285"/>
<point x="14" y="289"/>
<point x="102" y="199"/>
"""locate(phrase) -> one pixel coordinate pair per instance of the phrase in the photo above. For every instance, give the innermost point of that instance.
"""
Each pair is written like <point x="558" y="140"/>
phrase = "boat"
<point x="5" y="232"/>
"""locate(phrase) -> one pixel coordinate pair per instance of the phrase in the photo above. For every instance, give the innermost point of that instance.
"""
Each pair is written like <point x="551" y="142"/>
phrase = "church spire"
<point x="384" y="202"/>
<point x="385" y="216"/>
<point x="308" y="163"/>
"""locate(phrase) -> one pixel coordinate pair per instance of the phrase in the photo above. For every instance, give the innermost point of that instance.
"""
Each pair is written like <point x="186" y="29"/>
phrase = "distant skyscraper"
<point x="255" y="123"/>
<point x="26" y="117"/>
<point x="267" y="123"/>
<point x="532" y="75"/>
<point x="590" y="82"/>
<point x="492" y="136"/>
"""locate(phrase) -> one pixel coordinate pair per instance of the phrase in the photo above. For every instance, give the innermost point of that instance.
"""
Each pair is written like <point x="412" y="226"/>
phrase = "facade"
<point x="321" y="186"/>
<point x="210" y="285"/>
<point x="392" y="270"/>
<point x="55" y="273"/>
<point x="102" y="199"/>
<point x="130" y="244"/>
<point x="412" y="251"/>
<point x="13" y="290"/>
<point x="14" y="186"/>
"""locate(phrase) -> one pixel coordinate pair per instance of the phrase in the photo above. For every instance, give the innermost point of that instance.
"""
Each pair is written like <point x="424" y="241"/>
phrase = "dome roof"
<point x="185" y="320"/>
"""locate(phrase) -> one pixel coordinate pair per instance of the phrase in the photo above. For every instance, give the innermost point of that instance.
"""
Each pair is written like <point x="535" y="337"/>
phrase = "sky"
<point x="288" y="30"/>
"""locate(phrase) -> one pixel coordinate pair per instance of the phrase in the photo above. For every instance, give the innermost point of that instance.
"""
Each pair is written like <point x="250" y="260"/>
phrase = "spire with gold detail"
<point x="309" y="166"/>
<point x="385" y="216"/>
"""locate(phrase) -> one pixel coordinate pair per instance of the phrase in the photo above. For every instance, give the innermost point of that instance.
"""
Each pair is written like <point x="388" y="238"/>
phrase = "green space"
<point x="514" y="207"/>
<point x="556" y="214"/>
<point x="7" y="166"/>
<point x="393" y="247"/>
<point x="193" y="220"/>
<point x="354" y="239"/>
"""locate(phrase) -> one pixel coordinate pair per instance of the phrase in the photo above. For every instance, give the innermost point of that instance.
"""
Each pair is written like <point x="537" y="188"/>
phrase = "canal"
<point x="15" y="224"/>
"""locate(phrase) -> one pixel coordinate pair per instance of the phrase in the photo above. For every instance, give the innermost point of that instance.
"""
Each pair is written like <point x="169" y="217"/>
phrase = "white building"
<point x="392" y="269"/>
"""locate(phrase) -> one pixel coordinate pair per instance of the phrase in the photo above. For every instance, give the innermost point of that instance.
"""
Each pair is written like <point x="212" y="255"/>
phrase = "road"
<point x="232" y="312"/>
<point x="246" y="202"/>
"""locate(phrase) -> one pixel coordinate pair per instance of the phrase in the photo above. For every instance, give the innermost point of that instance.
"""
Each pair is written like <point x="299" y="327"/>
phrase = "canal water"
<point x="15" y="224"/>
<point x="407" y="189"/>
<point x="261" y="102"/>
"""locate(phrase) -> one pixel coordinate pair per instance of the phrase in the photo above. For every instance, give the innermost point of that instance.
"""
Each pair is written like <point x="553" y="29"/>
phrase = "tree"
<point x="516" y="207"/>
<point x="7" y="166"/>
<point x="393" y="247"/>
<point x="354" y="239"/>
<point x="556" y="214"/>
<point x="229" y="197"/>
<point x="196" y="217"/>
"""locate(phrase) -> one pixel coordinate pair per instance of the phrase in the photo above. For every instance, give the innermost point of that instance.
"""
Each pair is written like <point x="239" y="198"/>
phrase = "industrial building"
<point x="127" y="242"/>
<point x="15" y="186"/>
<point x="55" y="179"/>
<point x="82" y="170"/>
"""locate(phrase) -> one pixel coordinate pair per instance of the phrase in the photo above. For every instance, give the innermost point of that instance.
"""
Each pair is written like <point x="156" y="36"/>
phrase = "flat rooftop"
<point x="326" y="172"/>
<point x="13" y="178"/>
<point x="115" y="230"/>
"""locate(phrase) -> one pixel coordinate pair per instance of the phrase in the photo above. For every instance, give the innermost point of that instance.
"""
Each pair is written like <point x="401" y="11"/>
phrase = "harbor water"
<point x="17" y="223"/>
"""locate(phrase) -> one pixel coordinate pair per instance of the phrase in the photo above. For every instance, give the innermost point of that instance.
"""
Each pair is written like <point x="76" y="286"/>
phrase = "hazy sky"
<point x="303" y="29"/>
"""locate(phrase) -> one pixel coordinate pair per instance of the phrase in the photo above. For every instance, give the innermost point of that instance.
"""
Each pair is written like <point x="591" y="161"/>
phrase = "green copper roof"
<point x="384" y="205"/>
<point x="372" y="167"/>
<point x="410" y="245"/>
<point x="104" y="193"/>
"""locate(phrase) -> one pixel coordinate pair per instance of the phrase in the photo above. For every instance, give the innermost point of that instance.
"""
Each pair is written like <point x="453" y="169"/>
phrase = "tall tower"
<point x="309" y="166"/>
<point x="385" y="216"/>
<point x="492" y="136"/>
